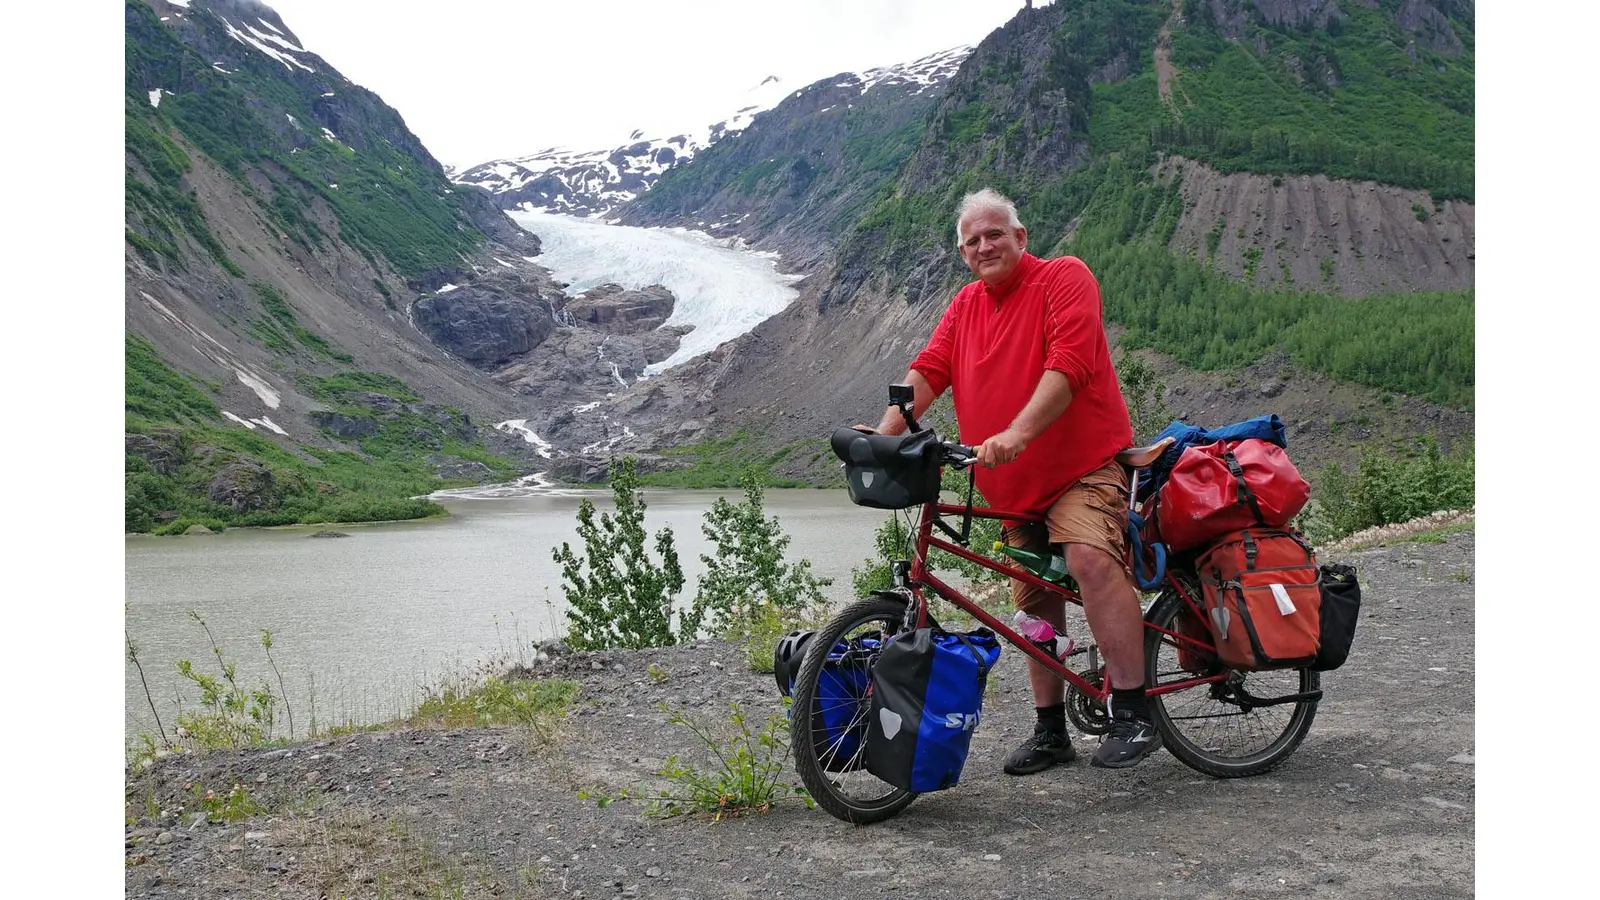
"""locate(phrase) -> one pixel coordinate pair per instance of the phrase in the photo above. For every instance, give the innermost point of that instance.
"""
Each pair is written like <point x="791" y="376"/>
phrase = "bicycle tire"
<point x="830" y="781"/>
<point x="1207" y="727"/>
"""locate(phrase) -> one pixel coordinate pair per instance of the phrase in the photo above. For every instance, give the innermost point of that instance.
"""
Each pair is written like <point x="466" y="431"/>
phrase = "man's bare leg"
<point x="1112" y="608"/>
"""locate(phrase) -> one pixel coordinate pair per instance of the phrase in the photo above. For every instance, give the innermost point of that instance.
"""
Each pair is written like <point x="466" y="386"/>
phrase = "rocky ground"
<point x="1378" y="802"/>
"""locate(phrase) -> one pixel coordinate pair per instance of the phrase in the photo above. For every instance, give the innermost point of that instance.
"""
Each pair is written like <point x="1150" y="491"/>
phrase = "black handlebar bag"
<point x="889" y="471"/>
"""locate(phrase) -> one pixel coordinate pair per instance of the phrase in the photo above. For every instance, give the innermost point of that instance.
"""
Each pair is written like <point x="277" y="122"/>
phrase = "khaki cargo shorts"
<point x="1094" y="511"/>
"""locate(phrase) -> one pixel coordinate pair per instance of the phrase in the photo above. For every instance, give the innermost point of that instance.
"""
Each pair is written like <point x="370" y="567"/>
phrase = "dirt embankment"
<point x="1377" y="803"/>
<point x="1314" y="233"/>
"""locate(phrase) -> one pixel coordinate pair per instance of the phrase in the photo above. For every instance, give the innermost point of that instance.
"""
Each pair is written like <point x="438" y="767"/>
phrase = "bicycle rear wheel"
<point x="828" y="726"/>
<point x="1231" y="728"/>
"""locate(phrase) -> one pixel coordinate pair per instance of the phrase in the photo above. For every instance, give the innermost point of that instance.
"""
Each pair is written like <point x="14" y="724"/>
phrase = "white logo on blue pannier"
<point x="963" y="721"/>
<point x="890" y="722"/>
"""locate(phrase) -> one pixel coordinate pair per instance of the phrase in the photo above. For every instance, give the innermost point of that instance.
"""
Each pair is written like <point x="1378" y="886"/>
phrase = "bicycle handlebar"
<point x="959" y="455"/>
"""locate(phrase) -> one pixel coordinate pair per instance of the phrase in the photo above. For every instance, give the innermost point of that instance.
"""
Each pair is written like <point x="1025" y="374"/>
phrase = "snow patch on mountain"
<point x="591" y="183"/>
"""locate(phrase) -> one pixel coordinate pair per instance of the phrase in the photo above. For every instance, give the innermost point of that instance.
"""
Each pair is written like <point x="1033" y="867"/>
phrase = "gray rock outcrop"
<point x="484" y="324"/>
<point x="245" y="486"/>
<point x="614" y="309"/>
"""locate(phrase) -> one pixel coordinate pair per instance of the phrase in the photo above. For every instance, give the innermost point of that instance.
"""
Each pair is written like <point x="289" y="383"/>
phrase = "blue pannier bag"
<point x="927" y="697"/>
<point x="839" y="713"/>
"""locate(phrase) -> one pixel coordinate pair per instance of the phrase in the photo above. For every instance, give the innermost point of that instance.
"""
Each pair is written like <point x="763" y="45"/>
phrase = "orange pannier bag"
<point x="1263" y="599"/>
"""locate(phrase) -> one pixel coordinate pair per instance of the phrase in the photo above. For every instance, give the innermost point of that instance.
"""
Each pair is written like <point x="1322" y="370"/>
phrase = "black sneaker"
<point x="1130" y="740"/>
<point x="1039" y="752"/>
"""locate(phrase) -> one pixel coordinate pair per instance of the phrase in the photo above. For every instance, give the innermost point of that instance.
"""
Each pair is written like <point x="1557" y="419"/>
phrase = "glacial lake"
<point x="375" y="617"/>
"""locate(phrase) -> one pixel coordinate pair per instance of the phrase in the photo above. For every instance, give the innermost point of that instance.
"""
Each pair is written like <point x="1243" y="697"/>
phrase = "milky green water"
<point x="376" y="616"/>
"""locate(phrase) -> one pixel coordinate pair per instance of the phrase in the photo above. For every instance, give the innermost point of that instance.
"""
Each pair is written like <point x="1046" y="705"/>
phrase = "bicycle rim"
<point x="828" y="759"/>
<point x="1212" y="727"/>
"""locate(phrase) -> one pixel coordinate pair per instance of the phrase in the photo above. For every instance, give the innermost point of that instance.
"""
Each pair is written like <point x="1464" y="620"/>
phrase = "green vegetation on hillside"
<point x="1394" y="484"/>
<point x="1349" y="101"/>
<point x="180" y="444"/>
<point x="721" y="461"/>
<point x="386" y="202"/>
<point x="1417" y="343"/>
<point x="280" y="319"/>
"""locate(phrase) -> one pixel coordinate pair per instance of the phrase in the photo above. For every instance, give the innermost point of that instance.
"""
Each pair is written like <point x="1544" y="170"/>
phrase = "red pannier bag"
<point x="1263" y="599"/>
<point x="1222" y="487"/>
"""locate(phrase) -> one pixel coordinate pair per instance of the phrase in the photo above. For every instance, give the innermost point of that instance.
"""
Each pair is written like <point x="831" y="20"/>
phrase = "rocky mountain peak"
<point x="596" y="182"/>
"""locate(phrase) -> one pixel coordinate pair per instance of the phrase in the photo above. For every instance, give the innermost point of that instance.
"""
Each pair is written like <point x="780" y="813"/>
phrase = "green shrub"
<point x="746" y="775"/>
<point x="494" y="701"/>
<point x="619" y="596"/>
<point x="1386" y="488"/>
<point x="747" y="575"/>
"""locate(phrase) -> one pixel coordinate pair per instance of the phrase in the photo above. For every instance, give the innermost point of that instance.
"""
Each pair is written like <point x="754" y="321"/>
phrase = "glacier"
<point x="722" y="289"/>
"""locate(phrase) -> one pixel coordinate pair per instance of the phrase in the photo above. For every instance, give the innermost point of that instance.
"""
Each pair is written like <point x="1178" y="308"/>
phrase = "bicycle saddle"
<point x="1143" y="457"/>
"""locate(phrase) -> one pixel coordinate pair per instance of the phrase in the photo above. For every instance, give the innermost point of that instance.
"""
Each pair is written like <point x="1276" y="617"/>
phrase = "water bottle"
<point x="1043" y="635"/>
<point x="1049" y="566"/>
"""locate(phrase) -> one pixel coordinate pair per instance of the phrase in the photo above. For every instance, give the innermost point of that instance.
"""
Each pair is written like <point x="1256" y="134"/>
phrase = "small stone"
<point x="262" y="778"/>
<point x="1442" y="804"/>
<point x="313" y="775"/>
<point x="596" y="664"/>
<point x="255" y="835"/>
<point x="164" y="837"/>
<point x="653" y="872"/>
<point x="1462" y="759"/>
<point x="991" y="857"/>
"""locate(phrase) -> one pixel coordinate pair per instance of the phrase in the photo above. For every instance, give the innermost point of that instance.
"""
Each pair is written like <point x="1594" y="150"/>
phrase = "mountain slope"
<point x="281" y="221"/>
<point x="1258" y="183"/>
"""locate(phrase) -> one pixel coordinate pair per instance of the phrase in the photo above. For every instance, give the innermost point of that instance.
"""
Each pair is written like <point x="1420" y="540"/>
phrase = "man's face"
<point x="991" y="249"/>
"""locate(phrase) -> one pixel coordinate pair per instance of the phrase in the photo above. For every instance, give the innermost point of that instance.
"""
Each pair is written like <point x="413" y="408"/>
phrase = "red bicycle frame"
<point x="920" y="576"/>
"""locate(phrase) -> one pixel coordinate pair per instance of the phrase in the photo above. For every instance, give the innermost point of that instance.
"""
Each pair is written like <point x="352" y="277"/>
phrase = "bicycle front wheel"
<point x="1246" y="724"/>
<point x="828" y="717"/>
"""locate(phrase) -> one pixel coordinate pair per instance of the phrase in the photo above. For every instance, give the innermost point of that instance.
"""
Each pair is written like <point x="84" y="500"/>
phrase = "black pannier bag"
<point x="1341" y="604"/>
<point x="889" y="471"/>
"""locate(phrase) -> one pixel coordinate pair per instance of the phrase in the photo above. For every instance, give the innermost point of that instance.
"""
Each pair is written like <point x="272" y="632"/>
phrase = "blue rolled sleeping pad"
<point x="1267" y="428"/>
<point x="1148" y="579"/>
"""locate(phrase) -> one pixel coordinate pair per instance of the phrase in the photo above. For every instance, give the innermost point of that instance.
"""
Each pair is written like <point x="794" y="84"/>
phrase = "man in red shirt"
<point x="1023" y="351"/>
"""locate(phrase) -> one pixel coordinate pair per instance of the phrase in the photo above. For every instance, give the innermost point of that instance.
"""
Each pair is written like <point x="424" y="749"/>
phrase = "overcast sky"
<point x="486" y="79"/>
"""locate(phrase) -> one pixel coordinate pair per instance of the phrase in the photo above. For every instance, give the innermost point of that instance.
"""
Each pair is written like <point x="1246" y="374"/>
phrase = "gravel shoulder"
<point x="1378" y="801"/>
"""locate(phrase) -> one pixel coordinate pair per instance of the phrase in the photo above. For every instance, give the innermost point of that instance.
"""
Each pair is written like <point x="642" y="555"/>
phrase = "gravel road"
<point x="1378" y="802"/>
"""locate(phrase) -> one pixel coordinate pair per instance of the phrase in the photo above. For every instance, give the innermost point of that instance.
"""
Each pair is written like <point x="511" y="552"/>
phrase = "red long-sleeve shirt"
<point x="991" y="348"/>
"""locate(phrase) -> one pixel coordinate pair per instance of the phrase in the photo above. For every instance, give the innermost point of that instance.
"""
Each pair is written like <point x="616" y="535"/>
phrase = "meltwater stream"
<point x="721" y="290"/>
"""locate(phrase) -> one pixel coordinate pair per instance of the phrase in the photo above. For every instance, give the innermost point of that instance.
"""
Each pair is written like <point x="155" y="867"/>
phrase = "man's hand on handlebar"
<point x="1001" y="449"/>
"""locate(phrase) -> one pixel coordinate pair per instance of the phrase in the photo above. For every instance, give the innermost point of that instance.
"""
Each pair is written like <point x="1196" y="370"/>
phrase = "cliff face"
<point x="1311" y="232"/>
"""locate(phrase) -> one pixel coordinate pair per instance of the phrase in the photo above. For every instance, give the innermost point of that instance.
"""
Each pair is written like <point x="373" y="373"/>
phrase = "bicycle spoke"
<point x="1208" y="724"/>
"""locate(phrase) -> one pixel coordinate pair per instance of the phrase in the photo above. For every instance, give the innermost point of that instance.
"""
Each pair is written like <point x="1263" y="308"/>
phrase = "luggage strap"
<point x="1244" y="489"/>
<point x="977" y="655"/>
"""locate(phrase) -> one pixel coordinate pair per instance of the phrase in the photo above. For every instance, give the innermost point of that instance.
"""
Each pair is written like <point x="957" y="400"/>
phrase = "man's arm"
<point x="1048" y="402"/>
<point x="892" y="422"/>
